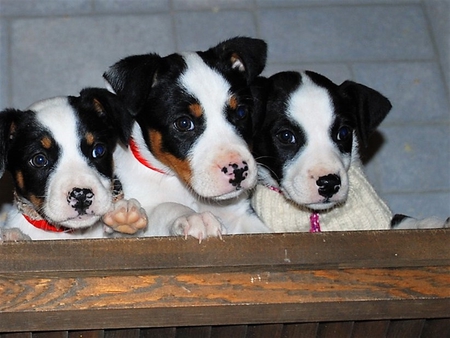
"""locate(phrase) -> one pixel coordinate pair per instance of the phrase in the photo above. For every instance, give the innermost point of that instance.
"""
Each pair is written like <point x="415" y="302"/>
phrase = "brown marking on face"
<point x="37" y="201"/>
<point x="89" y="138"/>
<point x="196" y="110"/>
<point x="20" y="180"/>
<point x="46" y="142"/>
<point x="233" y="103"/>
<point x="181" y="167"/>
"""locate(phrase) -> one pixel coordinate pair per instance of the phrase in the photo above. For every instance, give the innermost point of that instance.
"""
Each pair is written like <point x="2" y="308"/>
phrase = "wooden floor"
<point x="387" y="283"/>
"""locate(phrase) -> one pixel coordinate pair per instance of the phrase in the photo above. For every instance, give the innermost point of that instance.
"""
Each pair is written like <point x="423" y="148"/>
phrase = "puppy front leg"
<point x="126" y="216"/>
<point x="13" y="234"/>
<point x="173" y="219"/>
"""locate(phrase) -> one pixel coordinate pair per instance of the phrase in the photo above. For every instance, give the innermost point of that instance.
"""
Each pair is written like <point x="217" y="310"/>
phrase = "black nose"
<point x="328" y="185"/>
<point x="237" y="173"/>
<point x="80" y="199"/>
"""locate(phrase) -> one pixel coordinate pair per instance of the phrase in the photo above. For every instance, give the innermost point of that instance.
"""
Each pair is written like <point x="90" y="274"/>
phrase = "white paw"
<point x="126" y="216"/>
<point x="199" y="225"/>
<point x="13" y="234"/>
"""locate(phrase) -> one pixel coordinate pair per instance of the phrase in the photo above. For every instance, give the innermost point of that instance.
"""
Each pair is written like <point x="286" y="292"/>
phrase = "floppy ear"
<point x="111" y="108"/>
<point x="132" y="78"/>
<point x="6" y="133"/>
<point x="370" y="107"/>
<point x="244" y="54"/>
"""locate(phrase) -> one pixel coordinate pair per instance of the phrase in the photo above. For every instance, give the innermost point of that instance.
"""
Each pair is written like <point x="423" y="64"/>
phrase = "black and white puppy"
<point x="308" y="135"/>
<point x="189" y="162"/>
<point x="59" y="152"/>
<point x="307" y="143"/>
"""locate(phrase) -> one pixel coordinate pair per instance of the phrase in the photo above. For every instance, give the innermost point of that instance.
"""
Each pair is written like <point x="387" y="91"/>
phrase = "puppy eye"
<point x="343" y="133"/>
<point x="184" y="124"/>
<point x="241" y="112"/>
<point x="39" y="161"/>
<point x="98" y="150"/>
<point x="286" y="137"/>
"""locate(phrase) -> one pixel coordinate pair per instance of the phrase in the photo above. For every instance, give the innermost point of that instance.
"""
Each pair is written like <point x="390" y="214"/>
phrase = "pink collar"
<point x="314" y="222"/>
<point x="44" y="225"/>
<point x="313" y="219"/>
<point x="137" y="154"/>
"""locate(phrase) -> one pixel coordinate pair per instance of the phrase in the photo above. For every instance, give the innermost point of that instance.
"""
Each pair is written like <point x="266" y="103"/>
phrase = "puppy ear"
<point x="132" y="79"/>
<point x="7" y="131"/>
<point x="110" y="107"/>
<point x="247" y="55"/>
<point x="370" y="106"/>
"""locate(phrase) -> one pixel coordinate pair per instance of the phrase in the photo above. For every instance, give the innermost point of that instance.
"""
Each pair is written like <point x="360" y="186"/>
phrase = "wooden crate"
<point x="340" y="284"/>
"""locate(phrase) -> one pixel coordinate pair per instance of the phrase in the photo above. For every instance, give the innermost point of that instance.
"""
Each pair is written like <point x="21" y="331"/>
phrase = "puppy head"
<point x="194" y="110"/>
<point x="310" y="133"/>
<point x="59" y="152"/>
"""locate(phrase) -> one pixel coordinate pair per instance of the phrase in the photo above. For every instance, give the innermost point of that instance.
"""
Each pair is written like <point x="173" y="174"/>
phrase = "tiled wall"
<point x="401" y="48"/>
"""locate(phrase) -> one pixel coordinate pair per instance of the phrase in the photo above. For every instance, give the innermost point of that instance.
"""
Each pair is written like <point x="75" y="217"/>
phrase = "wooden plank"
<point x="51" y="334"/>
<point x="159" y="332"/>
<point x="376" y="328"/>
<point x="335" y="329"/>
<point x="85" y="334"/>
<point x="197" y="332"/>
<point x="212" y="297"/>
<point x="368" y="249"/>
<point x="304" y="330"/>
<point x="405" y="328"/>
<point x="122" y="333"/>
<point x="436" y="328"/>
<point x="228" y="331"/>
<point x="265" y="331"/>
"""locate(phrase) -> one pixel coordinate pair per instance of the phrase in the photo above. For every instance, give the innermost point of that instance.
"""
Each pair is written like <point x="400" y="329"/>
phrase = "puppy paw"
<point x="13" y="234"/>
<point x="199" y="225"/>
<point x="126" y="216"/>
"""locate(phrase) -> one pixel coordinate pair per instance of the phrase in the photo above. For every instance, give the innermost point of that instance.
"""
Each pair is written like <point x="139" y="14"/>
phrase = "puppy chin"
<point x="229" y="195"/>
<point x="317" y="204"/>
<point x="80" y="222"/>
<point x="321" y="206"/>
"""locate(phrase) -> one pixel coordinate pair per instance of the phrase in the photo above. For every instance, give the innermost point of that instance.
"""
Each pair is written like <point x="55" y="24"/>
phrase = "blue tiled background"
<point x="400" y="47"/>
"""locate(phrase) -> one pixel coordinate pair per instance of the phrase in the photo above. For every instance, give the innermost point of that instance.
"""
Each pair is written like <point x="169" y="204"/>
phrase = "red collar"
<point x="44" y="225"/>
<point x="137" y="154"/>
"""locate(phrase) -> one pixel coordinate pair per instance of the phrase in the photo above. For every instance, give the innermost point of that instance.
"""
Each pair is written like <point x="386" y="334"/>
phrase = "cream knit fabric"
<point x="363" y="210"/>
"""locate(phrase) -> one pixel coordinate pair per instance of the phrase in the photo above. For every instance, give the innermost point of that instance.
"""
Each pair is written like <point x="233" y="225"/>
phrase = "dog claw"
<point x="199" y="226"/>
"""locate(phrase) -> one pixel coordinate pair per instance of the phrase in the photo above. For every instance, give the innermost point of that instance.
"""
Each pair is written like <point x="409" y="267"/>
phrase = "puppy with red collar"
<point x="189" y="162"/>
<point x="59" y="152"/>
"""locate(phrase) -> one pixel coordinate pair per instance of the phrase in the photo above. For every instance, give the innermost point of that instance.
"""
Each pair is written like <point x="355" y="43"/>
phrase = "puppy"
<point x="60" y="155"/>
<point x="306" y="143"/>
<point x="188" y="162"/>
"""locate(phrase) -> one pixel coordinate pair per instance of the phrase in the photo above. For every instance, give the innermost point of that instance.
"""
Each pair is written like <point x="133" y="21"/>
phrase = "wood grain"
<point x="302" y="279"/>
<point x="327" y="250"/>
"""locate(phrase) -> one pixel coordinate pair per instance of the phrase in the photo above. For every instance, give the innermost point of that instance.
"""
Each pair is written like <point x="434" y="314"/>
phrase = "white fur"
<point x="219" y="144"/>
<point x="174" y="208"/>
<point x="310" y="107"/>
<point x="71" y="171"/>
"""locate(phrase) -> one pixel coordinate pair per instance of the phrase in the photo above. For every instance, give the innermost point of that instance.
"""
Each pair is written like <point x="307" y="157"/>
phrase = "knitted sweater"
<point x="363" y="209"/>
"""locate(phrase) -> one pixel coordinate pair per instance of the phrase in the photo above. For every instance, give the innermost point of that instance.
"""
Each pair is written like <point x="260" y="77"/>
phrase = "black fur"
<point x="25" y="157"/>
<point x="356" y="107"/>
<point x="148" y="86"/>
